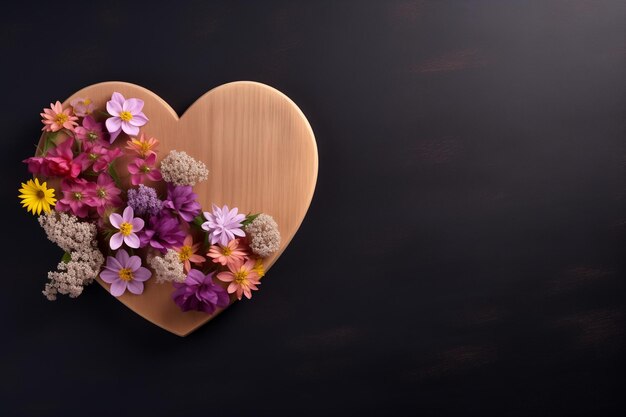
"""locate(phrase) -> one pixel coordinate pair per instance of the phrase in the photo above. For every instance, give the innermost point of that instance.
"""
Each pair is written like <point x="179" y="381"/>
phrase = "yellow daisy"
<point x="37" y="197"/>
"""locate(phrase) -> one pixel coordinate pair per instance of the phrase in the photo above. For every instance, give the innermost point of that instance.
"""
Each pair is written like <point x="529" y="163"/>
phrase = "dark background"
<point x="464" y="251"/>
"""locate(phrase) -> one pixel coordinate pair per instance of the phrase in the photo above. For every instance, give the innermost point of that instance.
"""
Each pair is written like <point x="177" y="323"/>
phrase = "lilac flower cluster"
<point x="144" y="201"/>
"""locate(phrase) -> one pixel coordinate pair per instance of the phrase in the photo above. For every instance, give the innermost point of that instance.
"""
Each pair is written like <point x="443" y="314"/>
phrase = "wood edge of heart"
<point x="113" y="84"/>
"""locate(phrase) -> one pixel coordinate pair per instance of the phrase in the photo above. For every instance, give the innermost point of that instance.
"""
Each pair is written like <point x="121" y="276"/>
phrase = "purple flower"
<point x="223" y="225"/>
<point x="144" y="201"/>
<point x="162" y="232"/>
<point x="199" y="293"/>
<point x="127" y="224"/>
<point x="125" y="272"/>
<point x="182" y="200"/>
<point x="126" y="116"/>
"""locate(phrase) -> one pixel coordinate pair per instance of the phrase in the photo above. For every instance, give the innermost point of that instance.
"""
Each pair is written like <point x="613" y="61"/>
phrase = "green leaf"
<point x="249" y="219"/>
<point x="198" y="220"/>
<point x="114" y="175"/>
<point x="49" y="142"/>
<point x="66" y="257"/>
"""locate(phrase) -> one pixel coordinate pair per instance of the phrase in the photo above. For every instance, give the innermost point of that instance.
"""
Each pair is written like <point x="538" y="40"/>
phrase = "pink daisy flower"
<point x="223" y="225"/>
<point x="230" y="254"/>
<point x="140" y="169"/>
<point x="56" y="118"/>
<point x="187" y="253"/>
<point x="127" y="224"/>
<point x="242" y="277"/>
<point x="125" y="272"/>
<point x="142" y="146"/>
<point x="126" y="116"/>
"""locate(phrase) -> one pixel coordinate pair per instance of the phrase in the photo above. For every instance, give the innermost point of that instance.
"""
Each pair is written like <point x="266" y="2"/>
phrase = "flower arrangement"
<point x="102" y="195"/>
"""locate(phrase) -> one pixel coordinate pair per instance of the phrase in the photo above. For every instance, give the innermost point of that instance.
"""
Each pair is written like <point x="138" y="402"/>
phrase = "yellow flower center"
<point x="241" y="277"/>
<point x="126" y="229"/>
<point x="227" y="251"/>
<point x="41" y="195"/>
<point x="78" y="196"/>
<point x="185" y="253"/>
<point x="92" y="136"/>
<point x="125" y="274"/>
<point x="126" y="116"/>
<point x="62" y="118"/>
<point x="102" y="192"/>
<point x="87" y="102"/>
<point x="144" y="147"/>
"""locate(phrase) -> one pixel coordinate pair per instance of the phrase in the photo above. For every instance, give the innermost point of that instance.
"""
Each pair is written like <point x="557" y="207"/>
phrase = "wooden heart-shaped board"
<point x="261" y="154"/>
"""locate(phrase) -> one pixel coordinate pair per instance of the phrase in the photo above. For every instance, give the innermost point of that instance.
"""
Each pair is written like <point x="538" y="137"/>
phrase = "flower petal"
<point x="123" y="257"/>
<point x="134" y="262"/>
<point x="113" y="124"/>
<point x="108" y="276"/>
<point x="130" y="129"/>
<point x="118" y="287"/>
<point x="114" y="108"/>
<point x="138" y="119"/>
<point x="116" y="241"/>
<point x="142" y="274"/>
<point x="138" y="224"/>
<point x="116" y="220"/>
<point x="132" y="241"/>
<point x="135" y="287"/>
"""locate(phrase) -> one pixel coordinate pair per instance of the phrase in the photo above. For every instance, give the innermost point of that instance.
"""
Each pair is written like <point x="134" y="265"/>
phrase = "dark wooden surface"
<point x="464" y="252"/>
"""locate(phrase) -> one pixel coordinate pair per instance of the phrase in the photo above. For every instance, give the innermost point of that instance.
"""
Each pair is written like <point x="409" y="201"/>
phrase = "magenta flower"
<point x="199" y="293"/>
<point x="105" y="194"/>
<point x="126" y="116"/>
<point x="91" y="133"/>
<point x="140" y="169"/>
<point x="98" y="157"/>
<point x="127" y="224"/>
<point x="58" y="162"/>
<point x="76" y="196"/>
<point x="125" y="273"/>
<point x="182" y="200"/>
<point x="163" y="232"/>
<point x="223" y="225"/>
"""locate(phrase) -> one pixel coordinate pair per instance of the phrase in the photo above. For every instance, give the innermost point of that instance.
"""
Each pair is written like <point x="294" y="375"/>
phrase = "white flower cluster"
<point x="79" y="240"/>
<point x="67" y="231"/>
<point x="167" y="268"/>
<point x="181" y="169"/>
<point x="264" y="237"/>
<point x="70" y="278"/>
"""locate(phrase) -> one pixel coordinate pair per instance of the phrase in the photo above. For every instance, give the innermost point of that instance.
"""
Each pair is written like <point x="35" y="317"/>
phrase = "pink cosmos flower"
<point x="223" y="225"/>
<point x="104" y="195"/>
<point x="56" y="118"/>
<point x="91" y="133"/>
<point x="82" y="106"/>
<point x="242" y="277"/>
<point x="139" y="169"/>
<point x="58" y="162"/>
<point x="230" y="254"/>
<point x="187" y="253"/>
<point x="98" y="156"/>
<point x="125" y="273"/>
<point x="126" y="116"/>
<point x="127" y="224"/>
<point x="76" y="196"/>
<point x="142" y="146"/>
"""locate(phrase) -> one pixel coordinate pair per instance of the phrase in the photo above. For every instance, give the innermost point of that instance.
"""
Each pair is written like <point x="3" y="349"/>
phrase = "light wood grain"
<point x="262" y="157"/>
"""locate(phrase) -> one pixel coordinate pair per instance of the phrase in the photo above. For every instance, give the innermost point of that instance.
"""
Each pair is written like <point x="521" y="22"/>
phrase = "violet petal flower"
<point x="223" y="225"/>
<point x="126" y="116"/>
<point x="162" y="232"/>
<point x="125" y="272"/>
<point x="183" y="201"/>
<point x="128" y="225"/>
<point x="199" y="293"/>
